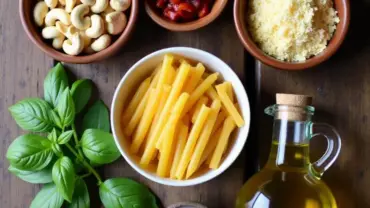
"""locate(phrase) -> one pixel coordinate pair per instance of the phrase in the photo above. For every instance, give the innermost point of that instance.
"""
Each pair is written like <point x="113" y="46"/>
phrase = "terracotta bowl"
<point x="240" y="11"/>
<point x="217" y="7"/>
<point x="34" y="33"/>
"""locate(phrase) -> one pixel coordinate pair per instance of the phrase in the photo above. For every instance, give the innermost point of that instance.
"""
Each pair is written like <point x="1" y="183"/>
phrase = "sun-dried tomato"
<point x="184" y="10"/>
<point x="171" y="14"/>
<point x="161" y="4"/>
<point x="203" y="11"/>
<point x="187" y="11"/>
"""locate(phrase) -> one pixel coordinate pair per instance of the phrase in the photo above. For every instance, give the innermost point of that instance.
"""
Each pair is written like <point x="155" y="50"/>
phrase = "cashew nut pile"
<point x="78" y="26"/>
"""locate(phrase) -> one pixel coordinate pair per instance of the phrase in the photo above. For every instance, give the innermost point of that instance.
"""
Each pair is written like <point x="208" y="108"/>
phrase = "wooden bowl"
<point x="240" y="11"/>
<point x="217" y="7"/>
<point x="34" y="33"/>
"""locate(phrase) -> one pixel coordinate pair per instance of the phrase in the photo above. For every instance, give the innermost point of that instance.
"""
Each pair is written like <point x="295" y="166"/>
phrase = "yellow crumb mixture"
<point x="292" y="30"/>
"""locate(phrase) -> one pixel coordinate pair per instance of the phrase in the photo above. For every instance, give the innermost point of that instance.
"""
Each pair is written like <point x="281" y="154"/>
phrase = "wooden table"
<point x="340" y="87"/>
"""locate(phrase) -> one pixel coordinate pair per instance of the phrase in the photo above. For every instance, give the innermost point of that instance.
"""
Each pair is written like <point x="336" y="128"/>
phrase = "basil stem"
<point x="76" y="139"/>
<point x="87" y="165"/>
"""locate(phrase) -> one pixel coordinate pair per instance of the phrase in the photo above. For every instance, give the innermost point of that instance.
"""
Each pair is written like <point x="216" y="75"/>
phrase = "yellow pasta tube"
<point x="186" y="119"/>
<point x="220" y="119"/>
<point x="221" y="90"/>
<point x="167" y="136"/>
<point x="182" y="138"/>
<point x="135" y="101"/>
<point x="194" y="78"/>
<point x="229" y="88"/>
<point x="208" y="151"/>
<point x="192" y="140"/>
<point x="211" y="92"/>
<point x="174" y="94"/>
<point x="171" y="76"/>
<point x="200" y="90"/>
<point x="203" y="138"/>
<point x="146" y="120"/>
<point x="135" y="119"/>
<point x="202" y="101"/>
<point x="227" y="128"/>
<point x="163" y="99"/>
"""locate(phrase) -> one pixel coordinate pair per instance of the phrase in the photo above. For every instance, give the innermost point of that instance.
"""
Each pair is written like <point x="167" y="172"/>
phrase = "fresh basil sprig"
<point x="99" y="147"/>
<point x="61" y="158"/>
<point x="30" y="152"/>
<point x="97" y="117"/>
<point x="32" y="114"/>
<point x="81" y="93"/>
<point x="123" y="193"/>
<point x="54" y="84"/>
<point x="48" y="197"/>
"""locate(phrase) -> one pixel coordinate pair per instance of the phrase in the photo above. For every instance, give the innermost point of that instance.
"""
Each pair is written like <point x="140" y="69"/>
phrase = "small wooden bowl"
<point x="240" y="19"/>
<point x="217" y="7"/>
<point x="34" y="33"/>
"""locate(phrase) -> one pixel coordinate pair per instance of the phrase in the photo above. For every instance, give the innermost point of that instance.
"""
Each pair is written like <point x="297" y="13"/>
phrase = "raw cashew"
<point x="101" y="43"/>
<point x="39" y="12"/>
<point x="99" y="6"/>
<point x="107" y="11"/>
<point x="78" y="19"/>
<point x="69" y="5"/>
<point x="120" y="5"/>
<point x="66" y="30"/>
<point x="57" y="14"/>
<point x="88" y="2"/>
<point x="97" y="27"/>
<point x="116" y="22"/>
<point x="62" y="2"/>
<point x="74" y="45"/>
<point x="51" y="3"/>
<point x="52" y="32"/>
<point x="86" y="39"/>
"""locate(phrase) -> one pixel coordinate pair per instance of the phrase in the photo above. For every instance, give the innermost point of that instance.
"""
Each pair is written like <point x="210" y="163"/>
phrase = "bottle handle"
<point x="318" y="168"/>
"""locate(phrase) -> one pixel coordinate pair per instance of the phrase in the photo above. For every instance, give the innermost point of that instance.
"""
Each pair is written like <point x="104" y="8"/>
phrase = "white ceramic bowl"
<point x="141" y="70"/>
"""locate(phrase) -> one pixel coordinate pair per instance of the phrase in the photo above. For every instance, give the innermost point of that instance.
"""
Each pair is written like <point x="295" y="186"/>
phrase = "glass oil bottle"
<point x="289" y="179"/>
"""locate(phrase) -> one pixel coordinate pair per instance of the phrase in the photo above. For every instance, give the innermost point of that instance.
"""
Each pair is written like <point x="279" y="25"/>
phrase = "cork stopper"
<point x="294" y="100"/>
<point x="296" y="103"/>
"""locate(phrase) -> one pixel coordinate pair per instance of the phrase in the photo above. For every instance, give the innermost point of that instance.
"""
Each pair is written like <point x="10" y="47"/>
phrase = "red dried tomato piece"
<point x="187" y="11"/>
<point x="175" y="1"/>
<point x="203" y="11"/>
<point x="161" y="4"/>
<point x="171" y="14"/>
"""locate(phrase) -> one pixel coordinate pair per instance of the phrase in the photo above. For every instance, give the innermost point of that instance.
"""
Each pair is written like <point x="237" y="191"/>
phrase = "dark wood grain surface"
<point x="23" y="68"/>
<point x="341" y="88"/>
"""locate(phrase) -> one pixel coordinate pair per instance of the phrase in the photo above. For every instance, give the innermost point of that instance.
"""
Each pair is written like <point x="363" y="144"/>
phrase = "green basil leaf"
<point x="64" y="177"/>
<point x="30" y="152"/>
<point x="97" y="117"/>
<point x="56" y="119"/>
<point x="66" y="108"/>
<point x="80" y="197"/>
<point x="56" y="81"/>
<point x="40" y="176"/>
<point x="53" y="136"/>
<point x="57" y="150"/>
<point x="32" y="114"/>
<point x="99" y="146"/>
<point x="48" y="197"/>
<point x="81" y="93"/>
<point x="125" y="193"/>
<point x="65" y="137"/>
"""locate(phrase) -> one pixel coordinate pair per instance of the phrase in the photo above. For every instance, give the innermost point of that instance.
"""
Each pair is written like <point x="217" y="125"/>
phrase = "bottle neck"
<point x="290" y="145"/>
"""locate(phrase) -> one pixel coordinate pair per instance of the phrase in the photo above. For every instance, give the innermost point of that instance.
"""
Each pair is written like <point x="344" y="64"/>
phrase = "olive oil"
<point x="287" y="185"/>
<point x="289" y="179"/>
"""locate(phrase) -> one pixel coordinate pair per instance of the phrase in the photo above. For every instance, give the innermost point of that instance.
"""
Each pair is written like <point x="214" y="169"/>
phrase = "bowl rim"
<point x="187" y="26"/>
<point x="254" y="50"/>
<point x="243" y="136"/>
<point x="30" y="29"/>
